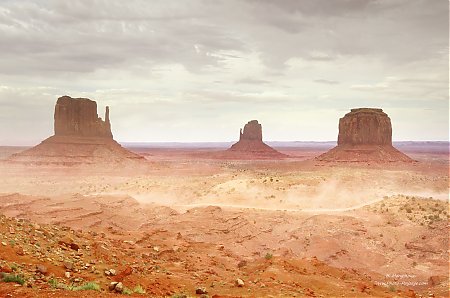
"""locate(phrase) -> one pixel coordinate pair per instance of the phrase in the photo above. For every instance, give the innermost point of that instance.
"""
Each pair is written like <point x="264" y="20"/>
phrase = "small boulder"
<point x="41" y="269"/>
<point x="119" y="287"/>
<point x="239" y="283"/>
<point x="201" y="290"/>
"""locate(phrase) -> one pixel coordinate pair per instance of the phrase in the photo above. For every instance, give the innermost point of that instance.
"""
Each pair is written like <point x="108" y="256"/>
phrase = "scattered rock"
<point x="6" y="269"/>
<point x="201" y="290"/>
<point x="110" y="272"/>
<point x="239" y="283"/>
<point x="19" y="251"/>
<point x="68" y="265"/>
<point x="119" y="287"/>
<point x="112" y="285"/>
<point x="41" y="269"/>
<point x="127" y="271"/>
<point x="242" y="263"/>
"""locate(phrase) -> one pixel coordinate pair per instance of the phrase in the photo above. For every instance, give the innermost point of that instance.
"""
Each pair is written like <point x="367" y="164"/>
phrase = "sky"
<point x="197" y="71"/>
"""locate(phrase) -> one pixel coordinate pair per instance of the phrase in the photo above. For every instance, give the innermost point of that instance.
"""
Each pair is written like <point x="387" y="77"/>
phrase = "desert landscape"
<point x="224" y="149"/>
<point x="84" y="216"/>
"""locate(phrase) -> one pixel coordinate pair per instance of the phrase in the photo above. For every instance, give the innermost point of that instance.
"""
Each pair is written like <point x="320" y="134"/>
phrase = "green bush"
<point x="86" y="287"/>
<point x="139" y="289"/>
<point x="6" y="277"/>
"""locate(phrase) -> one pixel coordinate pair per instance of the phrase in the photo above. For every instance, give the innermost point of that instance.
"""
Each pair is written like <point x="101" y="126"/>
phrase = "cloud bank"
<point x="198" y="70"/>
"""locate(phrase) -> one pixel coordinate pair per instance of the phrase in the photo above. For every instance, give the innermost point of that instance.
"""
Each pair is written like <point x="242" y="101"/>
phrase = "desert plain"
<point x="186" y="222"/>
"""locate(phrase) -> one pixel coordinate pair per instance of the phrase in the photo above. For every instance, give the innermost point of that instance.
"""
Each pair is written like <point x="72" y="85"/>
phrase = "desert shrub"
<point x="179" y="295"/>
<point x="53" y="283"/>
<point x="268" y="256"/>
<point x="86" y="287"/>
<point x="6" y="277"/>
<point x="127" y="291"/>
<point x="139" y="289"/>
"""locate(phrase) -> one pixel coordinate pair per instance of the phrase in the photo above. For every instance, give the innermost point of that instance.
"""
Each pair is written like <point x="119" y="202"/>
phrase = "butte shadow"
<point x="365" y="135"/>
<point x="81" y="137"/>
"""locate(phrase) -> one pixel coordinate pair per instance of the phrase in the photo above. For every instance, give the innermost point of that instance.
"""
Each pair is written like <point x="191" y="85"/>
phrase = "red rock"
<point x="252" y="131"/>
<point x="436" y="280"/>
<point x="78" y="117"/>
<point x="250" y="144"/>
<point x="81" y="137"/>
<point x="41" y="268"/>
<point x="124" y="273"/>
<point x="365" y="127"/>
<point x="365" y="135"/>
<point x="6" y="269"/>
<point x="19" y="251"/>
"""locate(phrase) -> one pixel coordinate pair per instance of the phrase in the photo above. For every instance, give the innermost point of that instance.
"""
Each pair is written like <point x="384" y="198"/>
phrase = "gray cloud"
<point x="225" y="59"/>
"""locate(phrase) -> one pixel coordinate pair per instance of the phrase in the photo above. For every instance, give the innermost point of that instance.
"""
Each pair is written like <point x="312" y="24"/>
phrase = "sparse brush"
<point x="179" y="295"/>
<point x="127" y="291"/>
<point x="53" y="283"/>
<point x="86" y="287"/>
<point x="139" y="289"/>
<point x="268" y="256"/>
<point x="6" y="277"/>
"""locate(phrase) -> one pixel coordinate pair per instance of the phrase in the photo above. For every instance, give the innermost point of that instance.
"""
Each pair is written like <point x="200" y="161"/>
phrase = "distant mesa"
<point x="251" y="145"/>
<point x="81" y="137"/>
<point x="365" y="135"/>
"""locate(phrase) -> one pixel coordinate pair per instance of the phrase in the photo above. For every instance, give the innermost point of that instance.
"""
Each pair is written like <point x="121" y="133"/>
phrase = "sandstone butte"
<point x="251" y="145"/>
<point x="365" y="135"/>
<point x="80" y="137"/>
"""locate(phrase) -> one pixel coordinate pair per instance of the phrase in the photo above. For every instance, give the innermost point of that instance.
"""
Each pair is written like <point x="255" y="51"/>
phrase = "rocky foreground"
<point x="202" y="253"/>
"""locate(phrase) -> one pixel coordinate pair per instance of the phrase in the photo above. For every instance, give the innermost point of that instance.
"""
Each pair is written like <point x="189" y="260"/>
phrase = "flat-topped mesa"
<point x="78" y="117"/>
<point x="365" y="126"/>
<point x="365" y="135"/>
<point x="252" y="131"/>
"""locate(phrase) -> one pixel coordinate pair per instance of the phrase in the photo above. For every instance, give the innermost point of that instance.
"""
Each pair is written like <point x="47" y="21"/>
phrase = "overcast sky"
<point x="199" y="70"/>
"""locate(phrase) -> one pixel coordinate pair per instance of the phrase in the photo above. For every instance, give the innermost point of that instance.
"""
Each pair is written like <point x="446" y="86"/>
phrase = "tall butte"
<point x="81" y="137"/>
<point x="365" y="135"/>
<point x="250" y="144"/>
<point x="78" y="117"/>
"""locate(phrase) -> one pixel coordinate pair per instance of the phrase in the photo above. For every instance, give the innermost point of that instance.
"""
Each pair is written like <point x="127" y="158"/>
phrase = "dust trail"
<point x="307" y="210"/>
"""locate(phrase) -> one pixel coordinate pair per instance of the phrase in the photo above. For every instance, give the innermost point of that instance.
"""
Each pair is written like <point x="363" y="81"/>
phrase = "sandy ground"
<point x="357" y="230"/>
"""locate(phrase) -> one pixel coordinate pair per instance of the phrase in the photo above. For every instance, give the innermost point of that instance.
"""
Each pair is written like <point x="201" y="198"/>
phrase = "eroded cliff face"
<point x="81" y="137"/>
<point x="78" y="117"/>
<point x="365" y="126"/>
<point x="252" y="131"/>
<point x="251" y="146"/>
<point x="365" y="135"/>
